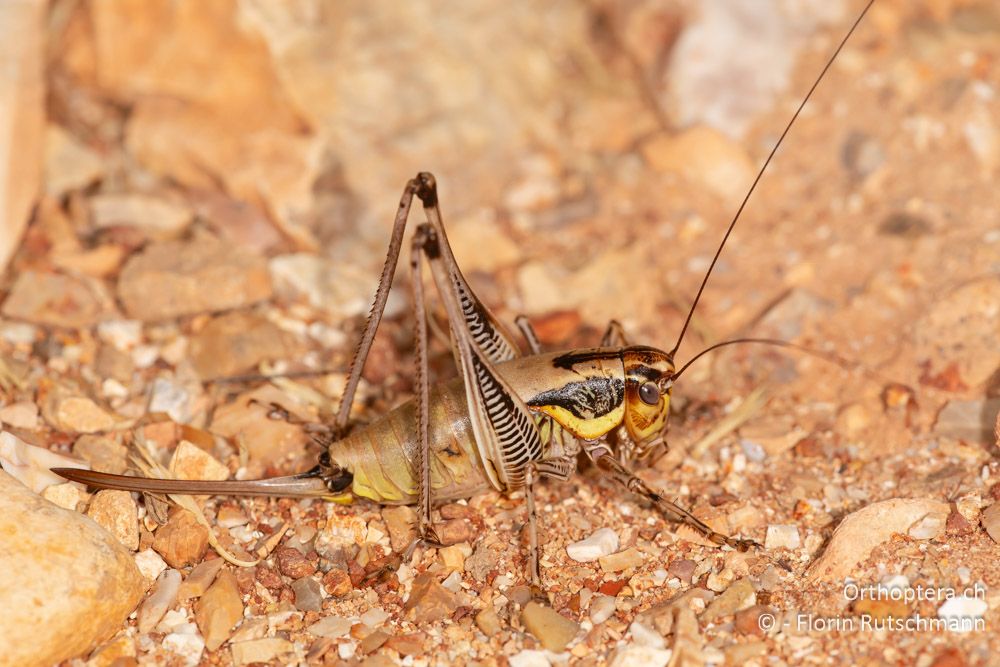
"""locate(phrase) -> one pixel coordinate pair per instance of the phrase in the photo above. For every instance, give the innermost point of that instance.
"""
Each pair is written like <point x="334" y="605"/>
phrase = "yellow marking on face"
<point x="588" y="429"/>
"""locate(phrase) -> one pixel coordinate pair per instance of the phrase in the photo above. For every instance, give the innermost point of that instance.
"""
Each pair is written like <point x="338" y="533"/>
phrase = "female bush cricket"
<point x="509" y="418"/>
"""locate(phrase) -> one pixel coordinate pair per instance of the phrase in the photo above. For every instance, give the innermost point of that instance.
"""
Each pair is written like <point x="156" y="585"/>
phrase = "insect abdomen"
<point x="382" y="455"/>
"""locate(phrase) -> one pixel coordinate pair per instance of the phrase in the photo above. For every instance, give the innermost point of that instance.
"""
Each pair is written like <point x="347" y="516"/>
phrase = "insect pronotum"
<point x="509" y="419"/>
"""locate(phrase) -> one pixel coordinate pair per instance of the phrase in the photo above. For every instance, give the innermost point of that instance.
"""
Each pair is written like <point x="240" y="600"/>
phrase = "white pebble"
<point x="633" y="655"/>
<point x="778" y="536"/>
<point x="604" y="542"/>
<point x="453" y="582"/>
<point x="644" y="636"/>
<point x="928" y="527"/>
<point x="601" y="608"/>
<point x="150" y="564"/>
<point x="170" y="397"/>
<point x="18" y="333"/>
<point x="331" y="627"/>
<point x="753" y="450"/>
<point x="374" y="617"/>
<point x="188" y="647"/>
<point x="962" y="613"/>
<point x="174" y="620"/>
<point x="529" y="658"/>
<point x="123" y="334"/>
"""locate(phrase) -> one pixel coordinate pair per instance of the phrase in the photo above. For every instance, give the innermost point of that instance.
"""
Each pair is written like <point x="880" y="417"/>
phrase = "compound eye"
<point x="649" y="393"/>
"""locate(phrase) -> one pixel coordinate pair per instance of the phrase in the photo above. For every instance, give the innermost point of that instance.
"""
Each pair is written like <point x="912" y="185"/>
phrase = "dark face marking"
<point x="594" y="397"/>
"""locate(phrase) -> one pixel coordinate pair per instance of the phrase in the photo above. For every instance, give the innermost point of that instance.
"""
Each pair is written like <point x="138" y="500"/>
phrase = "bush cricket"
<point x="509" y="419"/>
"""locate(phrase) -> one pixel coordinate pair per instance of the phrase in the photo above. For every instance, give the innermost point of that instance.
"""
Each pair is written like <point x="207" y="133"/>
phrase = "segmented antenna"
<point x="831" y="357"/>
<point x="760" y="173"/>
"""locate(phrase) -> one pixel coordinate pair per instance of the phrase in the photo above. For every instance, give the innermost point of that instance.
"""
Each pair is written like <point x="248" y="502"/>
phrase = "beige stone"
<point x="191" y="462"/>
<point x="219" y="610"/>
<point x="65" y="582"/>
<point x="67" y="495"/>
<point x="116" y="512"/>
<point x="552" y="629"/>
<point x="863" y="530"/>
<point x="175" y="278"/>
<point x="182" y="540"/>
<point x="268" y="441"/>
<point x="56" y="300"/>
<point x="237" y="342"/>
<point x="22" y="116"/>
<point x="69" y="164"/>
<point x="157" y="216"/>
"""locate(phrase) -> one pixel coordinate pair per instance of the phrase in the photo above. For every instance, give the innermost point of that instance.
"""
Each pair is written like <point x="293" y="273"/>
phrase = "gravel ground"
<point x="167" y="258"/>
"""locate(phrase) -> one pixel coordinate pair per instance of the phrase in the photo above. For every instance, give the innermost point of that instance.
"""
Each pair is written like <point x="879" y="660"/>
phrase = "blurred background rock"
<point x="315" y="113"/>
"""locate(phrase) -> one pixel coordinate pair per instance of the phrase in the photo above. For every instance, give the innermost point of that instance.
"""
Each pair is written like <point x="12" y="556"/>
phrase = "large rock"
<point x="22" y="116"/>
<point x="64" y="582"/>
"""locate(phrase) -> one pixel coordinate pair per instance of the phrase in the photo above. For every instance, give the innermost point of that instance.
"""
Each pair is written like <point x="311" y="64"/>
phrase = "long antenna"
<point x="760" y="173"/>
<point x="831" y="357"/>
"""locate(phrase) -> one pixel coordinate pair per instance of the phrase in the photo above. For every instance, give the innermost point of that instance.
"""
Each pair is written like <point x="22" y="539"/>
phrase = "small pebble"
<point x="753" y="450"/>
<point x="928" y="527"/>
<point x="374" y="617"/>
<point x="79" y="414"/>
<point x="429" y="601"/>
<point x="682" y="568"/>
<point x="219" y="610"/>
<point x="644" y="656"/>
<point x="963" y="613"/>
<point x="191" y="462"/>
<point x="116" y="512"/>
<point x="529" y="658"/>
<point x="104" y="453"/>
<point x="747" y="621"/>
<point x="453" y="557"/>
<point x="552" y="630"/>
<point x="454" y="531"/>
<point x="781" y="536"/>
<point x="230" y="517"/>
<point x="372" y="642"/>
<point x="187" y="647"/>
<point x="308" y="594"/>
<point x="331" y="627"/>
<point x="293" y="563"/>
<point x="645" y="636"/>
<point x="159" y="601"/>
<point x="122" y="334"/>
<point x="170" y="397"/>
<point x="200" y="579"/>
<point x="735" y="598"/>
<point x="67" y="495"/>
<point x="339" y="533"/>
<point x="488" y="621"/>
<point x="622" y="560"/>
<point x="337" y="582"/>
<point x="603" y="542"/>
<point x="182" y="540"/>
<point x="720" y="581"/>
<point x="150" y="564"/>
<point x="602" y="607"/>
<point x="23" y="414"/>
<point x="264" y="650"/>
<point x="453" y="582"/>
